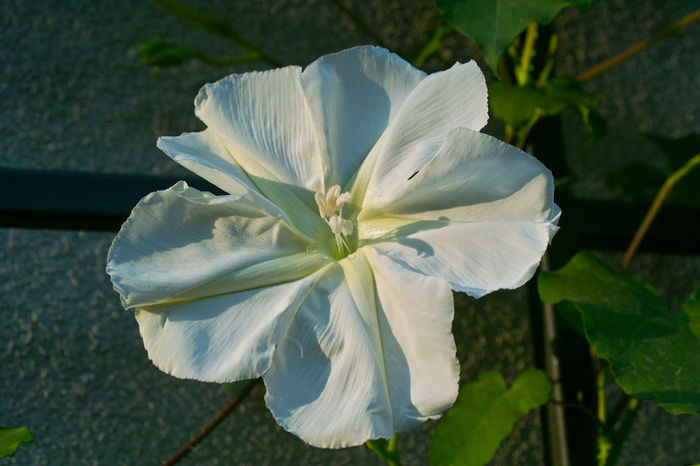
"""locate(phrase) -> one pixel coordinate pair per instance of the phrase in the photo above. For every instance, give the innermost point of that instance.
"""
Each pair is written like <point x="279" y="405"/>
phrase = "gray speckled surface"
<point x="72" y="365"/>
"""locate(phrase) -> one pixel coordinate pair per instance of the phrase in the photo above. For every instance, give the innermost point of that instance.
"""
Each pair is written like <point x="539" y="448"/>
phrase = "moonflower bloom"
<point x="359" y="193"/>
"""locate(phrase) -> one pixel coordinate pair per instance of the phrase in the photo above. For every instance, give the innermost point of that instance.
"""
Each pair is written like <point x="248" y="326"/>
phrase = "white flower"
<point x="359" y="192"/>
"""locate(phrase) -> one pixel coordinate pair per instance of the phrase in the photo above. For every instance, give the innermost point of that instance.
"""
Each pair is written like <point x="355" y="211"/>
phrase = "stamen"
<point x="346" y="227"/>
<point x="332" y="194"/>
<point x="321" y="203"/>
<point x="330" y="207"/>
<point x="343" y="198"/>
<point x="333" y="223"/>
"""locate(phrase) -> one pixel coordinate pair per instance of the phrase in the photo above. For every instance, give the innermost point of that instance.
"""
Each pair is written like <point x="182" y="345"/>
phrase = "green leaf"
<point x="10" y="438"/>
<point x="515" y="105"/>
<point x="160" y="53"/>
<point x="691" y="311"/>
<point x="639" y="181"/>
<point x="653" y="353"/>
<point x="493" y="24"/>
<point x="484" y="414"/>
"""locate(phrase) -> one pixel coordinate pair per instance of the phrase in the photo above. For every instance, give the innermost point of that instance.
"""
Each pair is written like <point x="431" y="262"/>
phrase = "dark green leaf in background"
<point x="653" y="353"/>
<point x="483" y="415"/>
<point x="10" y="438"/>
<point x="515" y="105"/>
<point x="160" y="53"/>
<point x="493" y="24"/>
<point x="640" y="181"/>
<point x="691" y="311"/>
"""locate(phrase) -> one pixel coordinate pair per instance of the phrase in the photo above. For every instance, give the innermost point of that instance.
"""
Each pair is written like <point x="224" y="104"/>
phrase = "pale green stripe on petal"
<point x="260" y="275"/>
<point x="181" y="243"/>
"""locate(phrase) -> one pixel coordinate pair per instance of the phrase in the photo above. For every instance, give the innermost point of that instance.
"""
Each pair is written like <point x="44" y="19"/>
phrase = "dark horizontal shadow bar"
<point x="77" y="201"/>
<point x="610" y="225"/>
<point x="101" y="202"/>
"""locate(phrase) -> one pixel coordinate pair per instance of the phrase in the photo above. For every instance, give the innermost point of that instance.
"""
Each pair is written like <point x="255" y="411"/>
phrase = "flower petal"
<point x="353" y="95"/>
<point x="361" y="362"/>
<point x="264" y="118"/>
<point x="325" y="383"/>
<point x="209" y="156"/>
<point x="223" y="338"/>
<point x="455" y="98"/>
<point x="476" y="258"/>
<point x="479" y="214"/>
<point x="205" y="154"/>
<point x="415" y="320"/>
<point x="181" y="244"/>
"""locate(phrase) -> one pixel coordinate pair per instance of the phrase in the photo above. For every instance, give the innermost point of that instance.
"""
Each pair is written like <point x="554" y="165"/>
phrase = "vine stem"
<point x="432" y="46"/>
<point x="549" y="65"/>
<point x="522" y="72"/>
<point x="558" y="447"/>
<point x="525" y="130"/>
<point x="604" y="444"/>
<point x="629" y="416"/>
<point x="510" y="134"/>
<point x="638" y="47"/>
<point x="206" y="430"/>
<point x="655" y="206"/>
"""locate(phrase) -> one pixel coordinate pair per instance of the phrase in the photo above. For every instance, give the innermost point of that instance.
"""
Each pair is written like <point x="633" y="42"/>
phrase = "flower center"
<point x="330" y="207"/>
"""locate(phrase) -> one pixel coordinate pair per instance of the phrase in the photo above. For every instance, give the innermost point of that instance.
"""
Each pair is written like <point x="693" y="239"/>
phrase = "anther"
<point x="330" y="207"/>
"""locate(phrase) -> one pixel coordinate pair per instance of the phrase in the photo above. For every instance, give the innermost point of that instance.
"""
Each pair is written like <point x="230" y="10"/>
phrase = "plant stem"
<point x="655" y="206"/>
<point x="510" y="134"/>
<point x="524" y="132"/>
<point x="558" y="446"/>
<point x="359" y="23"/>
<point x="206" y="430"/>
<point x="604" y="445"/>
<point x="551" y="54"/>
<point x="639" y="47"/>
<point x="386" y="450"/>
<point x="619" y="437"/>
<point x="600" y="390"/>
<point x="618" y="409"/>
<point x="577" y="406"/>
<point x="432" y="45"/>
<point x="522" y="71"/>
